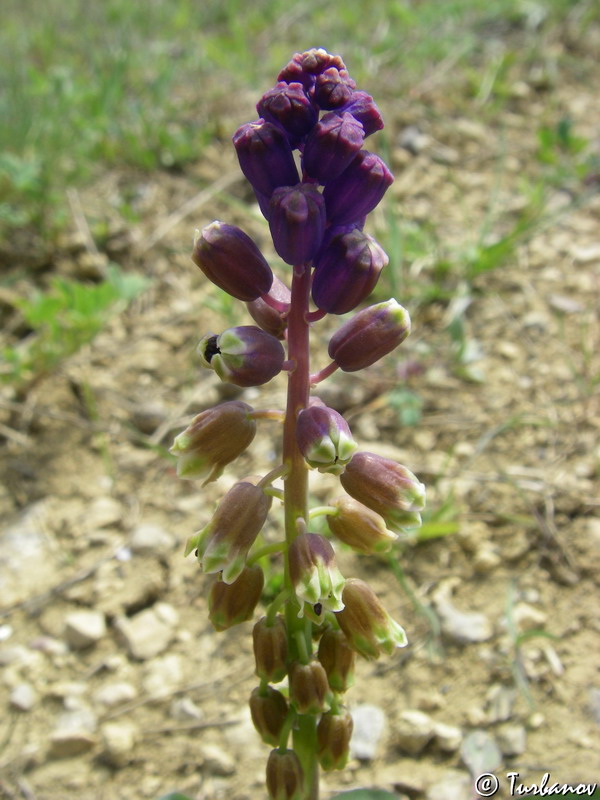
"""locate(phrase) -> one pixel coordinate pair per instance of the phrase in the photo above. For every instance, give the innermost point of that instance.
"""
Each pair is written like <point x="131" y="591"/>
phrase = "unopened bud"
<point x="309" y="689"/>
<point x="288" y="105"/>
<point x="359" y="527"/>
<point x="359" y="188"/>
<point x="362" y="107"/>
<point x="331" y="146"/>
<point x="325" y="439"/>
<point x="224" y="543"/>
<point x="213" y="439"/>
<point x="337" y="658"/>
<point x="386" y="487"/>
<point x="268" y="318"/>
<point x="270" y="649"/>
<point x="265" y="156"/>
<point x="367" y="625"/>
<point x="285" y="779"/>
<point x="305" y="66"/>
<point x="244" y="355"/>
<point x="347" y="270"/>
<point x="268" y="709"/>
<point x="333" y="88"/>
<point x="230" y="604"/>
<point x="314" y="573"/>
<point x="369" y="335"/>
<point x="334" y="732"/>
<point x="297" y="222"/>
<point x="232" y="261"/>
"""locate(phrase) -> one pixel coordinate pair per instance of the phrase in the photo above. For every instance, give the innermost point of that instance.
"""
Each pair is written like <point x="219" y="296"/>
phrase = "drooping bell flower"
<point x="314" y="573"/>
<point x="347" y="270"/>
<point x="334" y="732"/>
<point x="386" y="487"/>
<point x="284" y="777"/>
<point x="230" y="604"/>
<point x="265" y="156"/>
<point x="244" y="355"/>
<point x="324" y="438"/>
<point x="309" y="689"/>
<point x="232" y="261"/>
<point x="213" y="439"/>
<point x="359" y="527"/>
<point x="337" y="658"/>
<point x="359" y="188"/>
<point x="268" y="709"/>
<point x="297" y="222"/>
<point x="369" y="335"/>
<point x="270" y="649"/>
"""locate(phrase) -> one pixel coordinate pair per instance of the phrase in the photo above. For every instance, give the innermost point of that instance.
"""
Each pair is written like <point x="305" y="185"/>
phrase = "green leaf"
<point x="175" y="796"/>
<point x="367" y="794"/>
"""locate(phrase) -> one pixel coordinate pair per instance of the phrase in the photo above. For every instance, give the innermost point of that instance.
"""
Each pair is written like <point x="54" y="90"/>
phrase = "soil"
<point x="507" y="443"/>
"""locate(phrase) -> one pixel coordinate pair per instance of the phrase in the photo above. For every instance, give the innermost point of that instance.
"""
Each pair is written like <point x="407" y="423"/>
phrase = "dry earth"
<point x="139" y="696"/>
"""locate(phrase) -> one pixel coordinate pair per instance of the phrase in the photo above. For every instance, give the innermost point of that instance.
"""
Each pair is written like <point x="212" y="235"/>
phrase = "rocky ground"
<point x="113" y="682"/>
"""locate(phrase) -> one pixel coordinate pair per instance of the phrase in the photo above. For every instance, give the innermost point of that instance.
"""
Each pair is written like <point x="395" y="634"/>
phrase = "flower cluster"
<point x="315" y="185"/>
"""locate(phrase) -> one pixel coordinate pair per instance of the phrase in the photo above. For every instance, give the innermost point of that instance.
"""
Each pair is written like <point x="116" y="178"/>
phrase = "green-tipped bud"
<point x="359" y="527"/>
<point x="270" y="649"/>
<point x="334" y="732"/>
<point x="244" y="355"/>
<point x="232" y="603"/>
<point x="387" y="488"/>
<point x="213" y="439"/>
<point x="369" y="335"/>
<point x="325" y="439"/>
<point x="367" y="625"/>
<point x="337" y="658"/>
<point x="268" y="709"/>
<point x="314" y="573"/>
<point x="309" y="689"/>
<point x="224" y="543"/>
<point x="285" y="779"/>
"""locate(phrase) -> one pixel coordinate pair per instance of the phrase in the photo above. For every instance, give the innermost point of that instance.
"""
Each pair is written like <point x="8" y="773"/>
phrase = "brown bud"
<point x="232" y="603"/>
<point x="334" y="732"/>
<point x="285" y="779"/>
<point x="309" y="689"/>
<point x="367" y="625"/>
<point x="270" y="649"/>
<point x="337" y="658"/>
<point x="359" y="527"/>
<point x="268" y="709"/>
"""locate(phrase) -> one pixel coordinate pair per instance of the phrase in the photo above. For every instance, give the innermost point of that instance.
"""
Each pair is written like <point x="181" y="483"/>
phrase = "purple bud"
<point x="224" y="543"/>
<point x="297" y="222"/>
<point x="362" y="107"/>
<point x="357" y="191"/>
<point x="333" y="88"/>
<point x="265" y="156"/>
<point x="367" y="625"/>
<point x="305" y="66"/>
<point x="270" y="649"/>
<point x="347" y="270"/>
<point x="325" y="439"/>
<point x="334" y="732"/>
<point x="244" y="355"/>
<point x="285" y="778"/>
<point x="268" y="709"/>
<point x="213" y="439"/>
<point x="231" y="260"/>
<point x="288" y="105"/>
<point x="230" y="604"/>
<point x="268" y="318"/>
<point x="369" y="335"/>
<point x="314" y="573"/>
<point x="388" y="488"/>
<point x="309" y="689"/>
<point x="332" y="145"/>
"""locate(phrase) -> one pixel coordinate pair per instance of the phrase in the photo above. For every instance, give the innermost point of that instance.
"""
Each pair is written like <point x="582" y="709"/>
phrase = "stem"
<point x="322" y="374"/>
<point x="296" y="505"/>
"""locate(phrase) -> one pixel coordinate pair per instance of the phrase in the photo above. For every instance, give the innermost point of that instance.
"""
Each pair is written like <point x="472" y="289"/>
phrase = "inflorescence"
<point x="315" y="185"/>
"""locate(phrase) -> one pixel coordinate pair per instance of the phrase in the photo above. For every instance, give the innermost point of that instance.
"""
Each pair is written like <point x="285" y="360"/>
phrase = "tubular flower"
<point x="325" y="439"/>
<point x="244" y="355"/>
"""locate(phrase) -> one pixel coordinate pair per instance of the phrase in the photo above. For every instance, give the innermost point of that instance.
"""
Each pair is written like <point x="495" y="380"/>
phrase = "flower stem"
<point x="296" y="505"/>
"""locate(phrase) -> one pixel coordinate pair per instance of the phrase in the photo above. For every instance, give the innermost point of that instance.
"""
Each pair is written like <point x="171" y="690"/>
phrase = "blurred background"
<point x="115" y="145"/>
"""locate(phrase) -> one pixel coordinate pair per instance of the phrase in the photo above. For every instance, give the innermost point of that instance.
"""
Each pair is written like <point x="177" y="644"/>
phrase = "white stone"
<point x="512" y="739"/>
<point x="464" y="627"/>
<point x="447" y="737"/>
<point x="23" y="697"/>
<point x="84" y="628"/>
<point x="454" y="785"/>
<point x="119" y="740"/>
<point x="369" y="724"/>
<point x="114" y="694"/>
<point x="413" y="732"/>
<point x="151" y="539"/>
<point x="145" y="635"/>
<point x="217" y="761"/>
<point x="163" y="675"/>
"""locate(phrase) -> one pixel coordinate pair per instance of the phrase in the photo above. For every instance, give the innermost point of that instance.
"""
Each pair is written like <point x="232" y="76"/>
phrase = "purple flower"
<point x="265" y="156"/>
<point x="297" y="222"/>
<point x="357" y="191"/>
<point x="287" y="104"/>
<point x="332" y="145"/>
